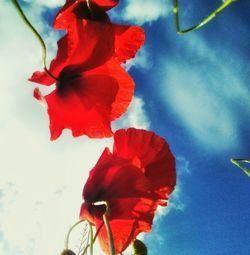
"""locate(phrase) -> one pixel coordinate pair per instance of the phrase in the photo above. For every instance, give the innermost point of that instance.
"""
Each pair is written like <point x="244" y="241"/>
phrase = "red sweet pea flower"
<point x="87" y="101"/>
<point x="92" y="88"/>
<point x="133" y="180"/>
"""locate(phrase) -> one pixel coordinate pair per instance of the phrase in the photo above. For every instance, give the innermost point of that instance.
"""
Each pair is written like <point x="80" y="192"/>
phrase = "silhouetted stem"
<point x="38" y="36"/>
<point x="243" y="168"/>
<point x="203" y="22"/>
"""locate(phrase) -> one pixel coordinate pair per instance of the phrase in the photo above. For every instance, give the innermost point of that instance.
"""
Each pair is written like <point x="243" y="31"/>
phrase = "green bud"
<point x="139" y="248"/>
<point x="68" y="252"/>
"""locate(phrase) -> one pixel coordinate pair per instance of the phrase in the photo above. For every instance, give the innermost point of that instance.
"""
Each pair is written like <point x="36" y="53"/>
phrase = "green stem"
<point x="203" y="22"/>
<point x="91" y="239"/>
<point x="243" y="168"/>
<point x="108" y="228"/>
<point x="69" y="232"/>
<point x="38" y="36"/>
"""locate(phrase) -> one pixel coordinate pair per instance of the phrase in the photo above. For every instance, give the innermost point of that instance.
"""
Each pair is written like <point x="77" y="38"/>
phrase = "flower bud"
<point x="139" y="248"/>
<point x="68" y="252"/>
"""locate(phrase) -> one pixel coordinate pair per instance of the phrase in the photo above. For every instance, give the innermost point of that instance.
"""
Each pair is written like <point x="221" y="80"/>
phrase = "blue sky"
<point x="191" y="89"/>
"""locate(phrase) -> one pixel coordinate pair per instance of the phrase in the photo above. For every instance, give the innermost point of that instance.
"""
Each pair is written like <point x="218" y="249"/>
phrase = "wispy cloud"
<point x="135" y="117"/>
<point x="142" y="60"/>
<point x="205" y="91"/>
<point x="46" y="3"/>
<point x="145" y="11"/>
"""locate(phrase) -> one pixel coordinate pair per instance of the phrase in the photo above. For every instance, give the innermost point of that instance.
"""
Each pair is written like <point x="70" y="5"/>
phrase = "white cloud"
<point x="144" y="11"/>
<point x="142" y="60"/>
<point x="204" y="98"/>
<point x="183" y="166"/>
<point x="135" y="116"/>
<point x="46" y="3"/>
<point x="41" y="182"/>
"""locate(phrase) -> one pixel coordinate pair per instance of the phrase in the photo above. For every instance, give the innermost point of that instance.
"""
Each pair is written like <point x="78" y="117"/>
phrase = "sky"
<point x="193" y="90"/>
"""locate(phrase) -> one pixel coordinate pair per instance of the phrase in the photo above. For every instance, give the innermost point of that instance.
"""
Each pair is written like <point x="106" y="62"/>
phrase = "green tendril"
<point x="92" y="240"/>
<point x="38" y="36"/>
<point x="243" y="168"/>
<point x="85" y="238"/>
<point x="180" y="31"/>
<point x="69" y="232"/>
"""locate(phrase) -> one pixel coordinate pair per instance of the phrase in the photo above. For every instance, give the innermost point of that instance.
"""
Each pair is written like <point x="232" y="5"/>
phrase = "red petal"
<point x="154" y="154"/>
<point x="37" y="95"/>
<point x="125" y="90"/>
<point x="125" y="84"/>
<point x="106" y="4"/>
<point x="83" y="105"/>
<point x="87" y="43"/>
<point x="110" y="178"/>
<point x="91" y="43"/>
<point x="42" y="78"/>
<point x="65" y="15"/>
<point x="128" y="40"/>
<point x="123" y="231"/>
<point x="78" y="9"/>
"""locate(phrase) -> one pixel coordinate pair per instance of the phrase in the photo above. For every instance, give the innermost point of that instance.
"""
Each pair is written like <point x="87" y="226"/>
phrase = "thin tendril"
<point x="38" y="36"/>
<point x="243" y="168"/>
<point x="83" y="240"/>
<point x="69" y="232"/>
<point x="94" y="239"/>
<point x="203" y="22"/>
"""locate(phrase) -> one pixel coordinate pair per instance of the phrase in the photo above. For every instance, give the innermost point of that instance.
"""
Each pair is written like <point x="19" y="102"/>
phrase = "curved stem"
<point x="243" y="168"/>
<point x="203" y="22"/>
<point x="109" y="231"/>
<point x="38" y="36"/>
<point x="69" y="232"/>
<point x="107" y="225"/>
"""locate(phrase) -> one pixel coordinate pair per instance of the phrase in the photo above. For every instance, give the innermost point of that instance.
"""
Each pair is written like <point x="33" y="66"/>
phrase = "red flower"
<point x="87" y="101"/>
<point x="92" y="88"/>
<point x="137" y="177"/>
